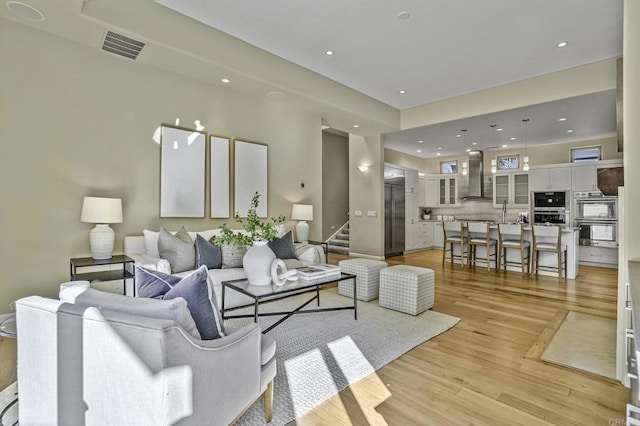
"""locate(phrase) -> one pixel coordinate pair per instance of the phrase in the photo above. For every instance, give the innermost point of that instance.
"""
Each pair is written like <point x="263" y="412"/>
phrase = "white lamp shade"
<point x="101" y="210"/>
<point x="302" y="212"/>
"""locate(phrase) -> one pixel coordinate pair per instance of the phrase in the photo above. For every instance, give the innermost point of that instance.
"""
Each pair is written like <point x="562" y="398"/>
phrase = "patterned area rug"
<point x="320" y="354"/>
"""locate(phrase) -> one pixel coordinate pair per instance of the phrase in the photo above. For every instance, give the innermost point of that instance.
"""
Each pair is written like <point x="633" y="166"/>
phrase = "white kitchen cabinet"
<point x="411" y="181"/>
<point x="512" y="187"/>
<point x="438" y="235"/>
<point x="425" y="235"/>
<point x="447" y="190"/>
<point x="550" y="179"/>
<point x="411" y="223"/>
<point x="584" y="178"/>
<point x="431" y="194"/>
<point x="422" y="191"/>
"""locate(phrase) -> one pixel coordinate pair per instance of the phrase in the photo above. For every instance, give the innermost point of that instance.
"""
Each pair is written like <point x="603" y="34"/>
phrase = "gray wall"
<point x="335" y="182"/>
<point x="76" y="121"/>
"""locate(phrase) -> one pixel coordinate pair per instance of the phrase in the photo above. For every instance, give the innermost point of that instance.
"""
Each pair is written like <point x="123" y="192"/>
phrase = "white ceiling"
<point x="586" y="117"/>
<point x="444" y="49"/>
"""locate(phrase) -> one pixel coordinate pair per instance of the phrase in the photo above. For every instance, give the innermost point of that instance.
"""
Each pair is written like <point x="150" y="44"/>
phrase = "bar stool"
<point x="512" y="237"/>
<point x="453" y="235"/>
<point x="551" y="242"/>
<point x="478" y="235"/>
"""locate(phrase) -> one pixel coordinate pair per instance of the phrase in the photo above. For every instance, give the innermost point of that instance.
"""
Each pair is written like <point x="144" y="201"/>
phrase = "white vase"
<point x="257" y="263"/>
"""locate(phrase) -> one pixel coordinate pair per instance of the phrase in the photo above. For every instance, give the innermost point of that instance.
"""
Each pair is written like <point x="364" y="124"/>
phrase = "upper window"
<point x="449" y="166"/>
<point x="508" y="162"/>
<point x="581" y="155"/>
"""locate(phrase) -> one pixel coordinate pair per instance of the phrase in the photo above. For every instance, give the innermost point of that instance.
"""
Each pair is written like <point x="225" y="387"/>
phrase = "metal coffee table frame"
<point x="272" y="292"/>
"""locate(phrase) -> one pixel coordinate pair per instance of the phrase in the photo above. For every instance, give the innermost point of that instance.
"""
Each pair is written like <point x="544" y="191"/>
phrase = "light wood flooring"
<point x="485" y="370"/>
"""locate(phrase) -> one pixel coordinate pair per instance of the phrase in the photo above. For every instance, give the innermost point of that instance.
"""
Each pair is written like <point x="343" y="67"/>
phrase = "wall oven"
<point x="596" y="216"/>
<point x="550" y="207"/>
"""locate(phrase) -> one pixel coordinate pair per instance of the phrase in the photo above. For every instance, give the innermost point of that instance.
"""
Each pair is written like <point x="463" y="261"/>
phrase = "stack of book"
<point x="320" y="271"/>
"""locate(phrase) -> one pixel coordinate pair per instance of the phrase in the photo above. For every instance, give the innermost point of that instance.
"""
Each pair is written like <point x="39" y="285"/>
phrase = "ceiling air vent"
<point x="122" y="45"/>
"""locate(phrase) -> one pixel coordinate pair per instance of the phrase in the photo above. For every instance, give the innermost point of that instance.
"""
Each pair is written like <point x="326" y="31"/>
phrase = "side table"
<point x="103" y="275"/>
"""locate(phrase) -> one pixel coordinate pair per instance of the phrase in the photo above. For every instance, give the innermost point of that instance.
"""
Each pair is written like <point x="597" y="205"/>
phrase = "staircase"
<point x="340" y="241"/>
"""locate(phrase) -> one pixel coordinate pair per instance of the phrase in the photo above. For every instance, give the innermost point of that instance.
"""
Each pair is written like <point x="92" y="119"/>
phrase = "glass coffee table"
<point x="267" y="293"/>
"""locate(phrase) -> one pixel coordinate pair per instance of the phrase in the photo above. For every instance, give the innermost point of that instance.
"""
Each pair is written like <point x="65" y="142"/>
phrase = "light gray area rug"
<point x="320" y="354"/>
<point x="586" y="342"/>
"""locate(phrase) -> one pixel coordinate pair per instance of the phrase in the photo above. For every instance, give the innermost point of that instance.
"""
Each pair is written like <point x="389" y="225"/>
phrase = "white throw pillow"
<point x="151" y="242"/>
<point x="309" y="255"/>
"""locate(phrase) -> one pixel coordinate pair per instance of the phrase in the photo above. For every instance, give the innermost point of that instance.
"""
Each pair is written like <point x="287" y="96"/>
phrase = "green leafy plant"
<point x="255" y="229"/>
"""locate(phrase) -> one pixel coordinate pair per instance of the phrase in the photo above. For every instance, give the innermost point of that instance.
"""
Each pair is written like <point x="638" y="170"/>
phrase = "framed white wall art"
<point x="250" y="176"/>
<point x="220" y="176"/>
<point x="182" y="172"/>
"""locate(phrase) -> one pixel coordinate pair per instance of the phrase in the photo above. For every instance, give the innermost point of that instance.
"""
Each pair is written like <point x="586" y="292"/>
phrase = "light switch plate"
<point x="357" y="213"/>
<point x="372" y="213"/>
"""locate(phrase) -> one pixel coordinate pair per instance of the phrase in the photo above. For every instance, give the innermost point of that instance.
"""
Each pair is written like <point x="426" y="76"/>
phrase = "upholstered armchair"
<point x="83" y="365"/>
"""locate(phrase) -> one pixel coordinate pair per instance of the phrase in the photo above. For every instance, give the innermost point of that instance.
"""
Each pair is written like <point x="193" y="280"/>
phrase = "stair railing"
<point x="337" y="232"/>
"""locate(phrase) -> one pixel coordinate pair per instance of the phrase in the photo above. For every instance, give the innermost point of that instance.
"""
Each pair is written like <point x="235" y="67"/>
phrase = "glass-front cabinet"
<point x="447" y="190"/>
<point x="512" y="187"/>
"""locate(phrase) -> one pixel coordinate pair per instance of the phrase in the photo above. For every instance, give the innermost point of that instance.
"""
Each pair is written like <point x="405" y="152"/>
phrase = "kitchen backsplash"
<point x="473" y="210"/>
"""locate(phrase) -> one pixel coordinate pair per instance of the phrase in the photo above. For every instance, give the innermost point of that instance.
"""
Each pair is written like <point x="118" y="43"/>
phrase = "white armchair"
<point x="80" y="365"/>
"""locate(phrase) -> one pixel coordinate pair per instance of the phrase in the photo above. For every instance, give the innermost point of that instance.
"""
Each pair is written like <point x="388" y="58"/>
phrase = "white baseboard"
<point x="366" y="256"/>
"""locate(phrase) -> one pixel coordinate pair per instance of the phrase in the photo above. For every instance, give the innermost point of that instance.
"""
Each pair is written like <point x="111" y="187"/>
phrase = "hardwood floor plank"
<point x="547" y="334"/>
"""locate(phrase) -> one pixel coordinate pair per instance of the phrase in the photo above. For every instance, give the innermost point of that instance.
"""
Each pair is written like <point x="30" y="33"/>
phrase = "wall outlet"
<point x="372" y="213"/>
<point x="357" y="213"/>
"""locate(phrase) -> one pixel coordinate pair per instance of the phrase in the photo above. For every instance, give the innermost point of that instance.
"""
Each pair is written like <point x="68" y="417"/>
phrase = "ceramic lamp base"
<point x="302" y="231"/>
<point x="101" y="239"/>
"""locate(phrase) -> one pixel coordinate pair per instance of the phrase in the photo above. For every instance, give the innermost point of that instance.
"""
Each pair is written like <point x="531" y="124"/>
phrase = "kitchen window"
<point x="447" y="167"/>
<point x="508" y="162"/>
<point x="582" y="155"/>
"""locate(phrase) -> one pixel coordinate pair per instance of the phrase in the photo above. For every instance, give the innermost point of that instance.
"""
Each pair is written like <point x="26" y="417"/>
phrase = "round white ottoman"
<point x="407" y="289"/>
<point x="367" y="272"/>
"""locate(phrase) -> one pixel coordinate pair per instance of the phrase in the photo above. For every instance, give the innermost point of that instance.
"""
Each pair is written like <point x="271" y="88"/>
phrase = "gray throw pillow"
<point x="177" y="249"/>
<point x="283" y="247"/>
<point x="194" y="288"/>
<point x="207" y="254"/>
<point x="232" y="256"/>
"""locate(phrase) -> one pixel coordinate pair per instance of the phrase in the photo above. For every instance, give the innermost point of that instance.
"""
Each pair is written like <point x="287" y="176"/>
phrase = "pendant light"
<point x="525" y="160"/>
<point x="494" y="163"/>
<point x="465" y="168"/>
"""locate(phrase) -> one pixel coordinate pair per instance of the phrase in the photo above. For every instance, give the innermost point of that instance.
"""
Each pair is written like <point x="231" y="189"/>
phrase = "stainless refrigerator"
<point x="394" y="216"/>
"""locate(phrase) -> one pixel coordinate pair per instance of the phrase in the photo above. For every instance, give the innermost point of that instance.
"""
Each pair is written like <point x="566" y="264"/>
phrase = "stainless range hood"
<point x="472" y="185"/>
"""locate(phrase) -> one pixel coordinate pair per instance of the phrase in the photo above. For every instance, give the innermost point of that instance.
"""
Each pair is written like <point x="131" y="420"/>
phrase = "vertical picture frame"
<point x="182" y="172"/>
<point x="220" y="176"/>
<point x="250" y="176"/>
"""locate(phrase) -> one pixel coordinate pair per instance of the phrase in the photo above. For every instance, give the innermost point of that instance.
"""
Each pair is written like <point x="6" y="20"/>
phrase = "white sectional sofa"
<point x="139" y="247"/>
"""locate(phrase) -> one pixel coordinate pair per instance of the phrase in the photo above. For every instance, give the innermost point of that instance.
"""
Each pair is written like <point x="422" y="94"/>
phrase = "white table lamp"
<point x="101" y="211"/>
<point x="302" y="212"/>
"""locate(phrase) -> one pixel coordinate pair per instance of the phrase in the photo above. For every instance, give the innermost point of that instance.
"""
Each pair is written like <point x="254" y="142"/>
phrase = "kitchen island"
<point x="569" y="237"/>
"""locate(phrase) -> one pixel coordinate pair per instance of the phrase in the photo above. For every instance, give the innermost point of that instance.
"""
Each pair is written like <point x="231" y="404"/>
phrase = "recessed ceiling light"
<point x="402" y="92"/>
<point x="403" y="15"/>
<point x="562" y="119"/>
<point x="419" y="150"/>
<point x="468" y="149"/>
<point x="569" y="131"/>
<point x="356" y="125"/>
<point x="25" y="11"/>
<point x="562" y="44"/>
<point x="438" y="153"/>
<point x="225" y="80"/>
<point x="420" y="141"/>
<point x="458" y="136"/>
<point x="499" y="129"/>
<point x="512" y="139"/>
<point x="474" y="143"/>
<point x="329" y="52"/>
<point x="505" y="146"/>
<point x="439" y="147"/>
